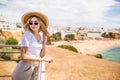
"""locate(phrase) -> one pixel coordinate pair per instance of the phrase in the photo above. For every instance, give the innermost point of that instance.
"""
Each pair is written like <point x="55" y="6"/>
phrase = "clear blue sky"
<point x="102" y="13"/>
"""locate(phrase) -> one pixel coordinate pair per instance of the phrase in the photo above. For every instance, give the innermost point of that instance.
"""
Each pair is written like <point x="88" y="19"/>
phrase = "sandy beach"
<point x="90" y="46"/>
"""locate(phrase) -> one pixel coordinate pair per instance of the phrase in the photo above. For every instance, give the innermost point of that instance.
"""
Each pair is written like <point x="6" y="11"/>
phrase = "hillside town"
<point x="83" y="32"/>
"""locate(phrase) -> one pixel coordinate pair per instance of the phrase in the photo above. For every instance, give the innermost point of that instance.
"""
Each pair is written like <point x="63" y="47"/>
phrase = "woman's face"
<point x="34" y="24"/>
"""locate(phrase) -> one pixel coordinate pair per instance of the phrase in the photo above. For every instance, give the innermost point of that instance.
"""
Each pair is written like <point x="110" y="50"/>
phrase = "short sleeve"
<point x="26" y="39"/>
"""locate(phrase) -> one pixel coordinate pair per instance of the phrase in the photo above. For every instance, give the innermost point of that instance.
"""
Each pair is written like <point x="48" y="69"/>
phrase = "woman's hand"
<point x="49" y="60"/>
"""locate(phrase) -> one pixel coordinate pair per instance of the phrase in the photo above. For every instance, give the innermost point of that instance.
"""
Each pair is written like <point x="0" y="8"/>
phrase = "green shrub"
<point x="55" y="36"/>
<point x="69" y="47"/>
<point x="98" y="55"/>
<point x="7" y="56"/>
<point x="10" y="56"/>
<point x="11" y="41"/>
<point x="95" y="55"/>
<point x="69" y="37"/>
<point x="49" y="40"/>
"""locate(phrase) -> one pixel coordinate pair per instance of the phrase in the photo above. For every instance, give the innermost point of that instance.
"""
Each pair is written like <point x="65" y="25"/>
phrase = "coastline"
<point x="90" y="46"/>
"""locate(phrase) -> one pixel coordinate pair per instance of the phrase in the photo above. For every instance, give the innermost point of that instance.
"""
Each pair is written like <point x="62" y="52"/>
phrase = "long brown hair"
<point x="42" y="28"/>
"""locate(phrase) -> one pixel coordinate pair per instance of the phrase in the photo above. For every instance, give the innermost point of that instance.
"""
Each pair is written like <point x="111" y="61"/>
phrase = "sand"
<point x="90" y="46"/>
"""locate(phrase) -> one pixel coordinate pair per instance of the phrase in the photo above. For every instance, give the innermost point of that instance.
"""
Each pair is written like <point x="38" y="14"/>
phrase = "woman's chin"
<point x="34" y="30"/>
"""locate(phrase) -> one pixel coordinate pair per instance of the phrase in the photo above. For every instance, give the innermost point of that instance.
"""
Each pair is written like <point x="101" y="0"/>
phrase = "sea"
<point x="112" y="54"/>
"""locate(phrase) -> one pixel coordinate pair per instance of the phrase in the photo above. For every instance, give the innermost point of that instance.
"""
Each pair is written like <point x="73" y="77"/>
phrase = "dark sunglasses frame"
<point x="33" y="23"/>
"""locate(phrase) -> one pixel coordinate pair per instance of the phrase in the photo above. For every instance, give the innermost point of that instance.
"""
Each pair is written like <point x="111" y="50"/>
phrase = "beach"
<point x="90" y="46"/>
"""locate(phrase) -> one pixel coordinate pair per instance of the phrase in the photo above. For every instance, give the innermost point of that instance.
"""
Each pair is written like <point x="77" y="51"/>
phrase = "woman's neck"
<point x="37" y="36"/>
<point x="35" y="33"/>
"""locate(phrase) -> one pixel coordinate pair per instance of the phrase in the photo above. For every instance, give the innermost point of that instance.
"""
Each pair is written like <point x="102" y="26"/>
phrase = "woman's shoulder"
<point x="27" y="32"/>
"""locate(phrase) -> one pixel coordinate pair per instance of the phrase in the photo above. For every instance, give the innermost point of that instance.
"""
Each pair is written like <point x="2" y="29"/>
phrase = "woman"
<point x="32" y="46"/>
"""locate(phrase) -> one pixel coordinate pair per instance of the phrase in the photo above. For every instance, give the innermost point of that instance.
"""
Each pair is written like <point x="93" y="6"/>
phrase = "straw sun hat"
<point x="27" y="15"/>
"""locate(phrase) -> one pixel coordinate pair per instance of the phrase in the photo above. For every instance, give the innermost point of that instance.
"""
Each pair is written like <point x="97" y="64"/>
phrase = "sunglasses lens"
<point x="35" y="23"/>
<point x="30" y="23"/>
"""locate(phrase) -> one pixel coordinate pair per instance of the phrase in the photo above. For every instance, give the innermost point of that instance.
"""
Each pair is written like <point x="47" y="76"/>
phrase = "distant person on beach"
<point x="32" y="46"/>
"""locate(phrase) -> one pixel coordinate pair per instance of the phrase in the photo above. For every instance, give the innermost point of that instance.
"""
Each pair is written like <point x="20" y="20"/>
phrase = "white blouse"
<point x="34" y="46"/>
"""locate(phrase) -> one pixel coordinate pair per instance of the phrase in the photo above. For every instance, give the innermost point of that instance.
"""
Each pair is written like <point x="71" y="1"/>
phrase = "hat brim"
<point x="27" y="15"/>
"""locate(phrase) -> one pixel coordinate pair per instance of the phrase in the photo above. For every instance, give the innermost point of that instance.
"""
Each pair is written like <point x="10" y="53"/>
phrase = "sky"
<point x="74" y="13"/>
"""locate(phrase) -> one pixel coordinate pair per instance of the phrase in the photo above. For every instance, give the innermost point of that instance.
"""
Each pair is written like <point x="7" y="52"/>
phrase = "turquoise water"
<point x="112" y="54"/>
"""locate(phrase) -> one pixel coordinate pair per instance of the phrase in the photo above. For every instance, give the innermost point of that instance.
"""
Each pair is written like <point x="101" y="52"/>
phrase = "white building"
<point x="95" y="32"/>
<point x="63" y="30"/>
<point x="6" y="25"/>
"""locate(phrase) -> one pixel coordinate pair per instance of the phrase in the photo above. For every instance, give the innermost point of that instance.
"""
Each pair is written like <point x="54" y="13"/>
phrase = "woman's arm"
<point x="42" y="53"/>
<point x="26" y="57"/>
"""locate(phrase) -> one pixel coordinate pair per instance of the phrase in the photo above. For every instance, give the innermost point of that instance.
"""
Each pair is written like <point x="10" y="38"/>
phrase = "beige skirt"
<point x="25" y="71"/>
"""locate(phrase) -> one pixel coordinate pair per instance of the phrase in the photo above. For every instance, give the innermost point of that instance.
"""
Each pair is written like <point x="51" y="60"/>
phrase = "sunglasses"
<point x="33" y="23"/>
